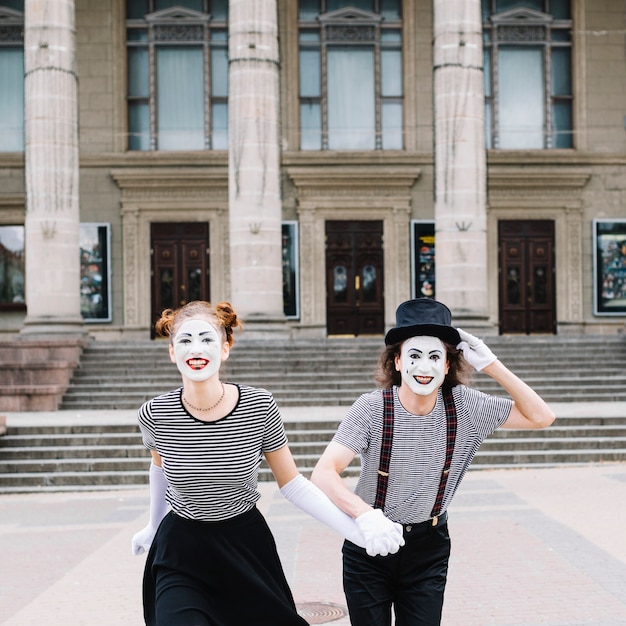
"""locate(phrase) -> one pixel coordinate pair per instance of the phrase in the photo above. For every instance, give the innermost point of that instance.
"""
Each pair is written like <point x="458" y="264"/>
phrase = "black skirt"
<point x="216" y="574"/>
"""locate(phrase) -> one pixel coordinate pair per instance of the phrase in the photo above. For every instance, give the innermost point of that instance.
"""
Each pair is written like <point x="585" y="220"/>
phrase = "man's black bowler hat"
<point x="423" y="317"/>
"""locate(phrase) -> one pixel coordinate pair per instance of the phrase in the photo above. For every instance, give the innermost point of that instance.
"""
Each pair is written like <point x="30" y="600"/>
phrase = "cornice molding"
<point x="12" y="200"/>
<point x="354" y="180"/>
<point x="171" y="178"/>
<point x="540" y="179"/>
<point x="288" y="158"/>
<point x="330" y="157"/>
<point x="12" y="160"/>
<point x="155" y="159"/>
<point x="555" y="158"/>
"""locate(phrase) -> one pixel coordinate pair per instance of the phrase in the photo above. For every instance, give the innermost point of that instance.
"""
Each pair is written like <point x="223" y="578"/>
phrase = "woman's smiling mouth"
<point x="197" y="364"/>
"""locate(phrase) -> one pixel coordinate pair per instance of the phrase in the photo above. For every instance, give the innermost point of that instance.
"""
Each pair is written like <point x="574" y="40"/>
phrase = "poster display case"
<point x="291" y="271"/>
<point x="423" y="259"/>
<point x="12" y="270"/>
<point x="609" y="245"/>
<point x="95" y="271"/>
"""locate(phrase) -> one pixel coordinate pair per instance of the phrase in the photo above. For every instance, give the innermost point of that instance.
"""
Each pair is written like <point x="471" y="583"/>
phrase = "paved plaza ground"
<point x="530" y="547"/>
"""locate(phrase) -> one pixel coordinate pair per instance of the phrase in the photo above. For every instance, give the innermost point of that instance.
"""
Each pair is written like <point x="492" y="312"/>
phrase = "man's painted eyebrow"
<point x="435" y="351"/>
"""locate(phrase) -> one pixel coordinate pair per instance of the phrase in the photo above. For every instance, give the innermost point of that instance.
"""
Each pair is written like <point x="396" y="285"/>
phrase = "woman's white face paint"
<point x="197" y="350"/>
<point x="423" y="364"/>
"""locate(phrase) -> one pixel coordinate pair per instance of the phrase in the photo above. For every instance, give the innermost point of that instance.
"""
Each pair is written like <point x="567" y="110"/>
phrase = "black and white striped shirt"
<point x="212" y="467"/>
<point x="419" y="446"/>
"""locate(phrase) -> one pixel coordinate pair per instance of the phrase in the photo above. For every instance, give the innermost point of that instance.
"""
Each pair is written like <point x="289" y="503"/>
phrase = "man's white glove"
<point x="312" y="500"/>
<point x="142" y="540"/>
<point x="382" y="536"/>
<point x="475" y="352"/>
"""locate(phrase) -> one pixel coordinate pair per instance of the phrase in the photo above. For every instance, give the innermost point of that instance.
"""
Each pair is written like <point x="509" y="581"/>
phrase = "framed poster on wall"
<point x="95" y="271"/>
<point x="291" y="271"/>
<point x="12" y="273"/>
<point x="422" y="259"/>
<point x="609" y="256"/>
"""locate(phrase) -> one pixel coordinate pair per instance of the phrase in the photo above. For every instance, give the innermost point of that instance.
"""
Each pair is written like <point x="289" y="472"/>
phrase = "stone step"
<point x="106" y="385"/>
<point x="50" y="458"/>
<point x="290" y="398"/>
<point x="112" y="354"/>
<point x="305" y="422"/>
<point x="323" y="381"/>
<point x="554" y="444"/>
<point x="84" y="465"/>
<point x="358" y="366"/>
<point x="552" y="348"/>
<point x="125" y="435"/>
<point x="302" y="387"/>
<point x="611" y="427"/>
<point x="87" y="451"/>
<point x="89" y="457"/>
<point x="69" y="476"/>
<point x="24" y="482"/>
<point x="38" y="440"/>
<point x="552" y="458"/>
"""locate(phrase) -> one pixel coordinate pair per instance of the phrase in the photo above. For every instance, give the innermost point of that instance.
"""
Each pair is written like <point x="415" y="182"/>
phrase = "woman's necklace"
<point x="197" y="408"/>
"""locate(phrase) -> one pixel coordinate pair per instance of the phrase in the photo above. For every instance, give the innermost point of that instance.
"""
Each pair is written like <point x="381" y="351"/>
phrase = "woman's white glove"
<point x="142" y="540"/>
<point x="475" y="352"/>
<point x="382" y="536"/>
<point x="312" y="500"/>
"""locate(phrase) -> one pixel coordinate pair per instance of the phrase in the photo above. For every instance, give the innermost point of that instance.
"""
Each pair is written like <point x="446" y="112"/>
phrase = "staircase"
<point x="333" y="372"/>
<point x="74" y="458"/>
<point x="300" y="374"/>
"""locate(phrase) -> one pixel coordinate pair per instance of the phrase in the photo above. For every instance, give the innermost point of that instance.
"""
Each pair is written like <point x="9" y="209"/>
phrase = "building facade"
<point x="316" y="162"/>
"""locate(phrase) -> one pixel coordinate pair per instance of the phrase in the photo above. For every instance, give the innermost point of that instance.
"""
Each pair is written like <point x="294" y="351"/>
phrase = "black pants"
<point x="413" y="580"/>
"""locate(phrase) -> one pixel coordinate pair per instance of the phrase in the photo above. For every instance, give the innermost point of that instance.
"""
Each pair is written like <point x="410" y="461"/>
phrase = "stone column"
<point x="254" y="161"/>
<point x="460" y="159"/>
<point x="51" y="147"/>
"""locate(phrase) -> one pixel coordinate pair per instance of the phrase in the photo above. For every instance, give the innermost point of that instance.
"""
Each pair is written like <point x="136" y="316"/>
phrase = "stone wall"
<point x="36" y="372"/>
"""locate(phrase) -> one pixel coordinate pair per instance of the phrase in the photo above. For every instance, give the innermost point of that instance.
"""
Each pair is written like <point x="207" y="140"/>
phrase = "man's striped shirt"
<point x="419" y="446"/>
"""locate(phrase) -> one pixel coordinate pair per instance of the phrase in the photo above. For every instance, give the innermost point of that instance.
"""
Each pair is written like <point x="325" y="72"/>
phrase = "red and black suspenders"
<point x="385" y="450"/>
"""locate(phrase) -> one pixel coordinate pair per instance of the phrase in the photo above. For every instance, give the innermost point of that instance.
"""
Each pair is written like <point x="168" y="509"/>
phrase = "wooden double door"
<point x="180" y="264"/>
<point x="527" y="276"/>
<point x="354" y="277"/>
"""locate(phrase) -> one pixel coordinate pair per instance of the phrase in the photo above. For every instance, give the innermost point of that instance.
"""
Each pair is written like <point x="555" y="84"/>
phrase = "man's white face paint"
<point x="197" y="349"/>
<point x="423" y="364"/>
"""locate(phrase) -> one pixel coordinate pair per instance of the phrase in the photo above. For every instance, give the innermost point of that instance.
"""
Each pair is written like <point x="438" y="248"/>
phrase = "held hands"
<point x="382" y="536"/>
<point x="142" y="540"/>
<point x="475" y="352"/>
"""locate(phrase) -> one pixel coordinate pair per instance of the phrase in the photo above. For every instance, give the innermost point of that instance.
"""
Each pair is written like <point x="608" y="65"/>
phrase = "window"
<point x="12" y="76"/>
<point x="350" y="64"/>
<point x="528" y="74"/>
<point x="11" y="267"/>
<point x="177" y="74"/>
